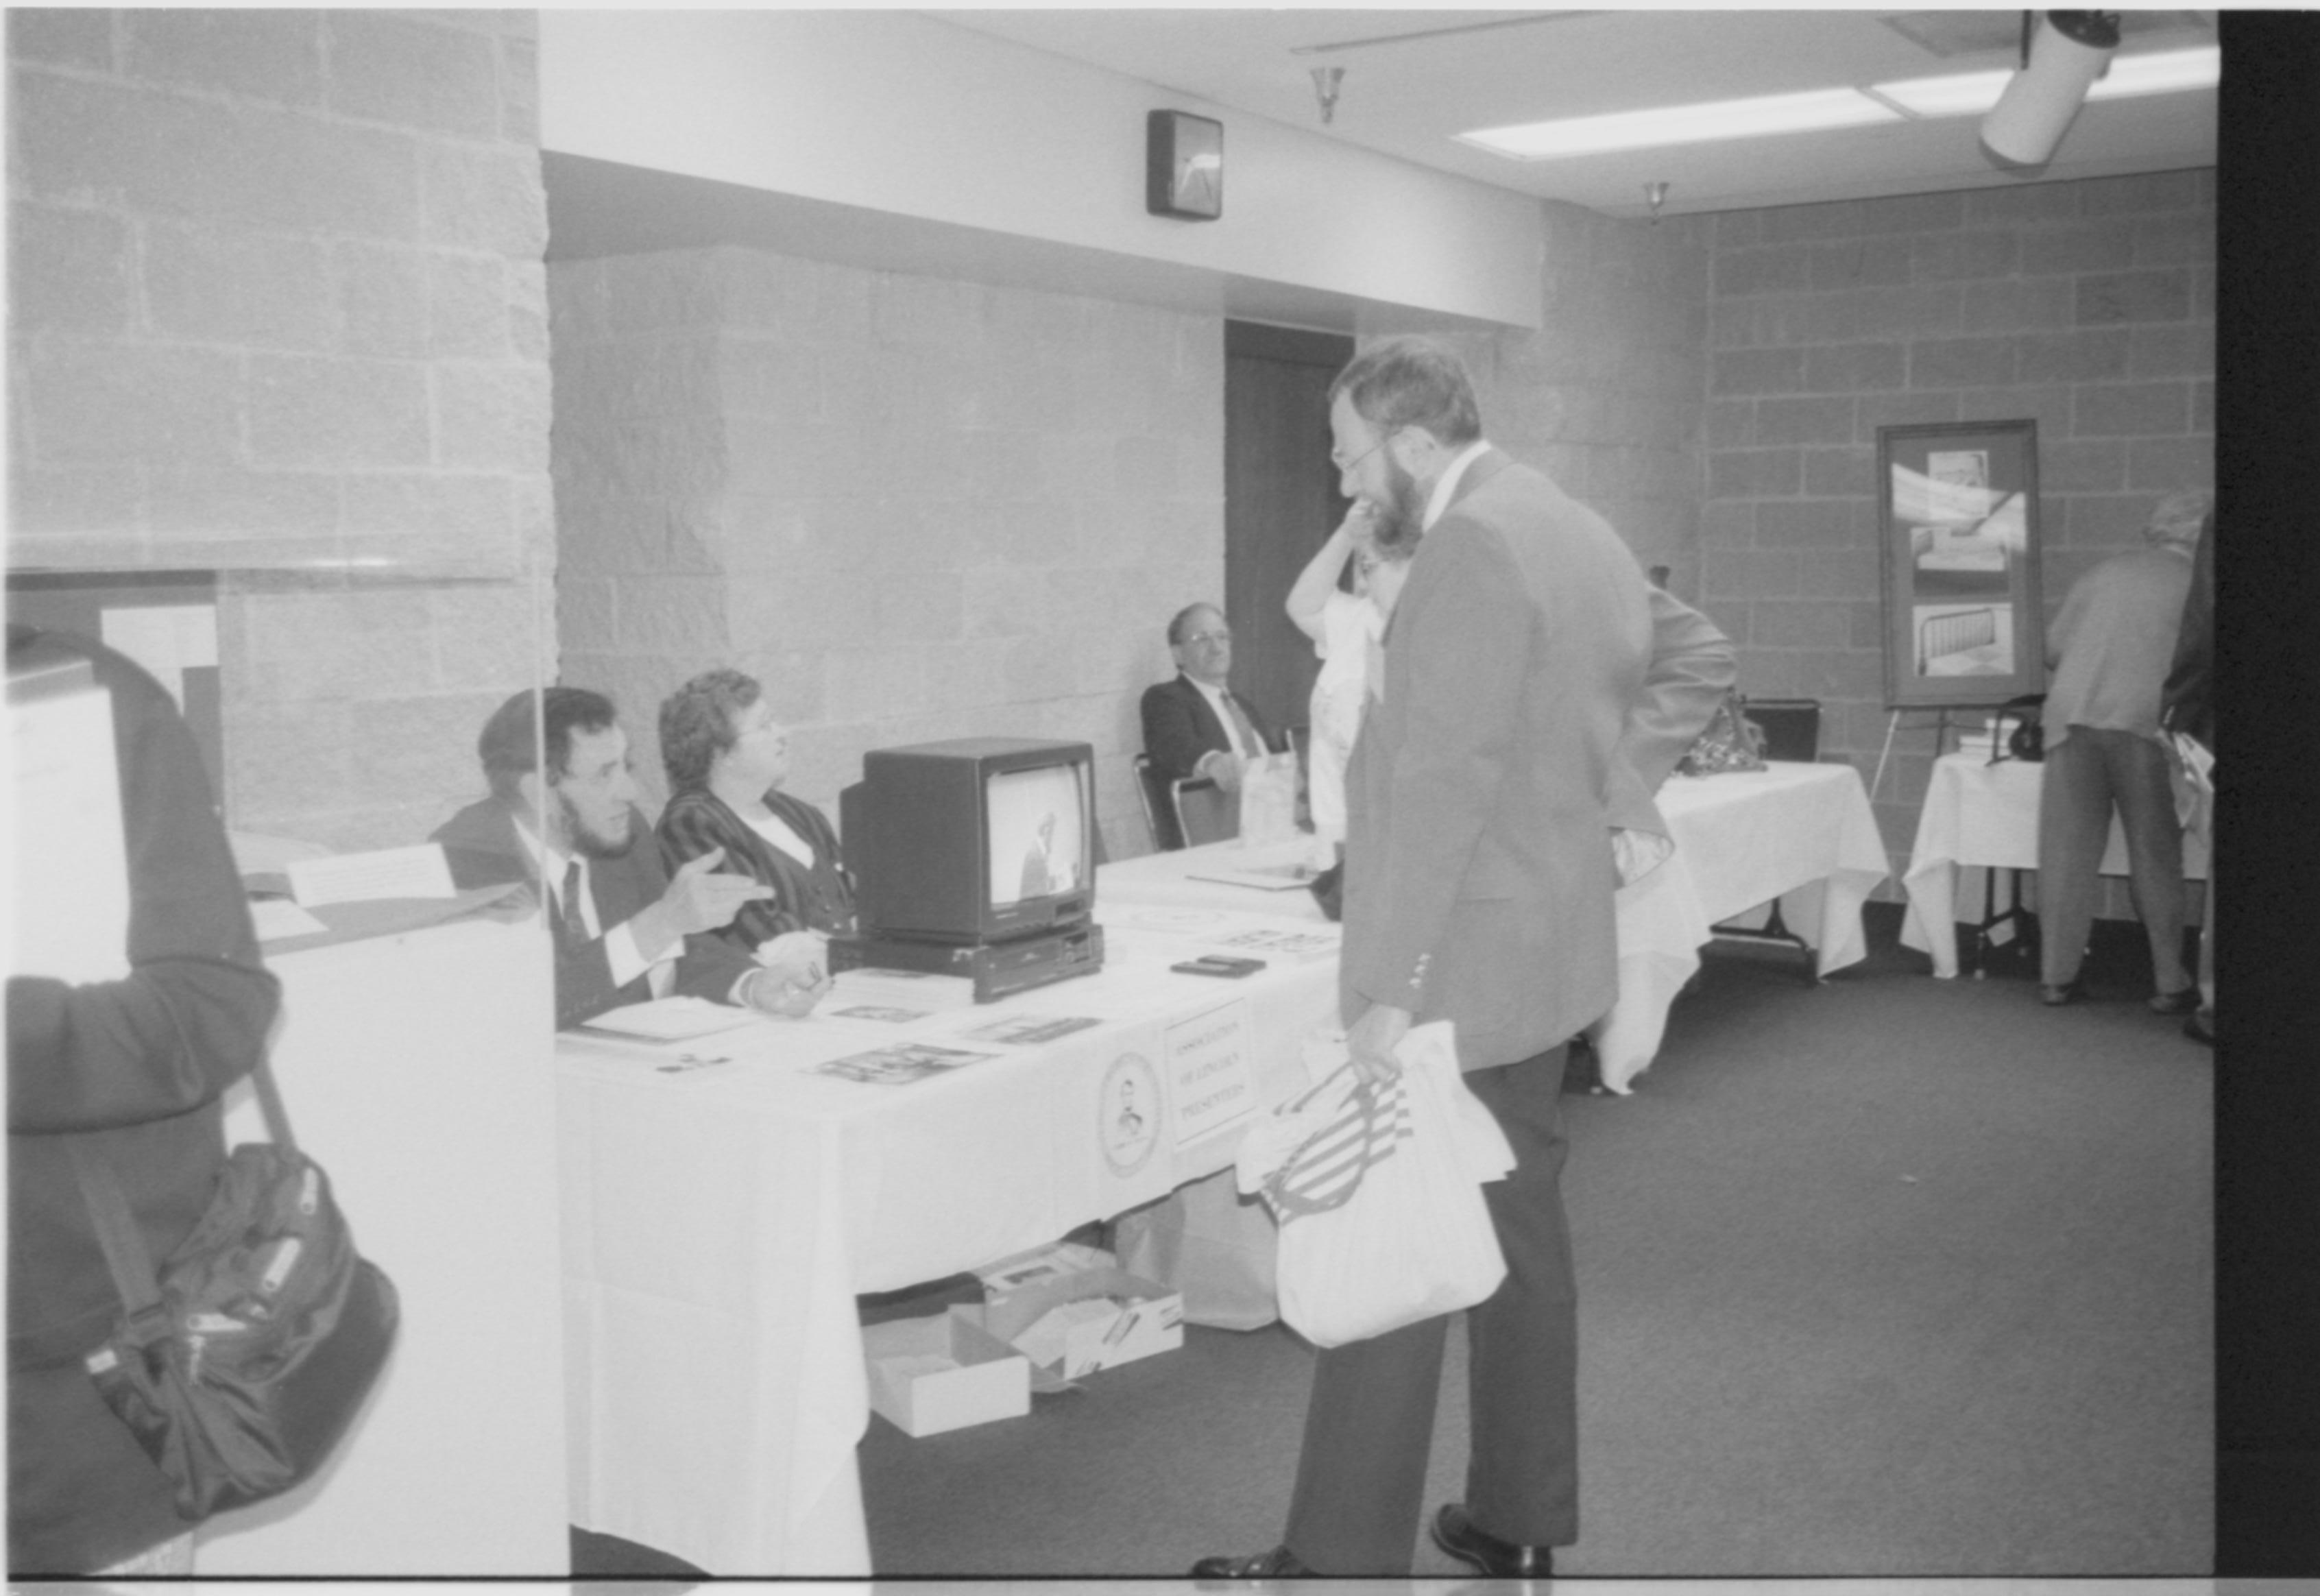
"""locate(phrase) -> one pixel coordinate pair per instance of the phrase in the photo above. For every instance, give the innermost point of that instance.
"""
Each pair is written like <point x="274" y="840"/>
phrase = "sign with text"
<point x="1211" y="1084"/>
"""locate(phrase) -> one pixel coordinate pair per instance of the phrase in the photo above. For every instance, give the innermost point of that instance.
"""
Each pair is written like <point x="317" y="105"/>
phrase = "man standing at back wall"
<point x="1536" y="692"/>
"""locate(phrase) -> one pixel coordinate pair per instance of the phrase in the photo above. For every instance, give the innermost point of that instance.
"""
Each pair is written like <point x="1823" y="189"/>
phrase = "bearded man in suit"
<point x="1537" y="690"/>
<point x="625" y="930"/>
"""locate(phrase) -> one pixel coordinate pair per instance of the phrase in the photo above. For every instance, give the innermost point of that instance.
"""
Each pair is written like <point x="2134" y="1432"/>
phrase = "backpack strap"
<point x="117" y="1234"/>
<point x="134" y="1275"/>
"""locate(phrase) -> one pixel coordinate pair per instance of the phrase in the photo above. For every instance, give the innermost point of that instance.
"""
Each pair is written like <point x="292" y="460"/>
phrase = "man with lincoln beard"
<point x="625" y="930"/>
<point x="1535" y="692"/>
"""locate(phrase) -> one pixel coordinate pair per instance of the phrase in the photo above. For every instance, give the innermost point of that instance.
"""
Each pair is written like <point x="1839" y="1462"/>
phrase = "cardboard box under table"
<point x="720" y="1218"/>
<point x="1081" y="1314"/>
<point x="945" y="1372"/>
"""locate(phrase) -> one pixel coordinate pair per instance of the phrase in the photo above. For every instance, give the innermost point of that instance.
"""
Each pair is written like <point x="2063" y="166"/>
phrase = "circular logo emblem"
<point x="1127" y="1113"/>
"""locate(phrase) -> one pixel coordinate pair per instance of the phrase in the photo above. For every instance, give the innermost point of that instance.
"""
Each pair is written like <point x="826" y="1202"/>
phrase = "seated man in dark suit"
<point x="625" y="930"/>
<point x="1195" y="726"/>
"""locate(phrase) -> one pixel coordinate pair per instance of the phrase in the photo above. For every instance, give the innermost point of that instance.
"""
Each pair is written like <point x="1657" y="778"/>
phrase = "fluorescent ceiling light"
<point x="2161" y="72"/>
<point x="1960" y="94"/>
<point x="1683" y="124"/>
<point x="1969" y="94"/>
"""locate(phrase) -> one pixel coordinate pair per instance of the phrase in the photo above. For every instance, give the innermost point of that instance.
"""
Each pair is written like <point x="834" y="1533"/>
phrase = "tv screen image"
<point x="1035" y="827"/>
<point x="979" y="839"/>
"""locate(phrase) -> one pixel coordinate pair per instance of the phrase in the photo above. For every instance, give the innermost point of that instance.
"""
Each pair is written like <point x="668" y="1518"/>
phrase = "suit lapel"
<point x="1203" y="714"/>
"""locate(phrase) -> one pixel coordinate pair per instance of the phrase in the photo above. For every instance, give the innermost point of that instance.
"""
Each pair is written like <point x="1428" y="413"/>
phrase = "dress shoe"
<point x="2180" y="1001"/>
<point x="1463" y="1539"/>
<point x="2069" y="992"/>
<point x="2200" y="1029"/>
<point x="1278" y="1563"/>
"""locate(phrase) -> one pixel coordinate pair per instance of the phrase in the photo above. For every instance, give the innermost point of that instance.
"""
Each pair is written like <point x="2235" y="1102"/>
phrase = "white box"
<point x="928" y="1376"/>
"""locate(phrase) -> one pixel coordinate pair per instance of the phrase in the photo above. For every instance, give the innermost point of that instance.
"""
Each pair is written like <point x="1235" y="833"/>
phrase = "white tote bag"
<point x="1378" y="1193"/>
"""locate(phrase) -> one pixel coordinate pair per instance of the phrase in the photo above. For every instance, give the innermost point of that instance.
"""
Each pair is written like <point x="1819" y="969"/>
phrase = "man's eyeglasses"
<point x="1338" y="455"/>
<point x="1200" y="640"/>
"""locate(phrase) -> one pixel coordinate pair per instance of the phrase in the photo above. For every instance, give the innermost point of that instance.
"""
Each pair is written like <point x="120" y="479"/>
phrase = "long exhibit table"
<point x="726" y="1199"/>
<point x="1800" y="835"/>
<point x="1984" y="816"/>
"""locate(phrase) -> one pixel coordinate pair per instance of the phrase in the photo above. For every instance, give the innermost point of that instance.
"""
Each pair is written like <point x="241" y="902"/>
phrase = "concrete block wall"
<point x="913" y="507"/>
<point x="2087" y="307"/>
<point x="1606" y="397"/>
<point x="278" y="310"/>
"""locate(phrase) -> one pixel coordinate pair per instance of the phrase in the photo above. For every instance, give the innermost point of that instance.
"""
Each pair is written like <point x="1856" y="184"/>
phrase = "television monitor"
<point x="975" y="840"/>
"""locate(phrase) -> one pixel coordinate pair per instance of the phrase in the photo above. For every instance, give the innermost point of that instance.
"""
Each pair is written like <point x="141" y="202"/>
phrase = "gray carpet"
<point x="1888" y="1277"/>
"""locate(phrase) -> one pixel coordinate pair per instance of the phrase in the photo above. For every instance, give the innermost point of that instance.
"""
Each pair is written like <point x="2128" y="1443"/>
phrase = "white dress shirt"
<point x="621" y="949"/>
<point x="1215" y="695"/>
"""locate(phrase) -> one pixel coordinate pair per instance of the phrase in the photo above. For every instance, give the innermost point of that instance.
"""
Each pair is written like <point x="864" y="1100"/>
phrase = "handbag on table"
<point x="240" y="1361"/>
<point x="1729" y="741"/>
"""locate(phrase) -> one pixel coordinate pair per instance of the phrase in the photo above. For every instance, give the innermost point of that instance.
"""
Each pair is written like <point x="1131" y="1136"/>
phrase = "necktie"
<point x="575" y="925"/>
<point x="1251" y="743"/>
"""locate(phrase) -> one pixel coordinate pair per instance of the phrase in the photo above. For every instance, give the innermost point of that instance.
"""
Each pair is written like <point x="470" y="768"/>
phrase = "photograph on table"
<point x="1958" y="519"/>
<point x="900" y="1065"/>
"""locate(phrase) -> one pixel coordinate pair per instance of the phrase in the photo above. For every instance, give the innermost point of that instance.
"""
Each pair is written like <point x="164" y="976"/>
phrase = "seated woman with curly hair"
<point x="725" y="757"/>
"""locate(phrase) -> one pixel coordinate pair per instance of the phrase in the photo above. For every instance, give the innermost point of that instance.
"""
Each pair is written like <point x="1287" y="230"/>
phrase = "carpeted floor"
<point x="1885" y="1276"/>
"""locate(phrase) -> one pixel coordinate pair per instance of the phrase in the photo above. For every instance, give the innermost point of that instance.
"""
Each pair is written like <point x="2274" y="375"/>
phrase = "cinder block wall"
<point x="913" y="507"/>
<point x="278" y="310"/>
<point x="1606" y="396"/>
<point x="2086" y="306"/>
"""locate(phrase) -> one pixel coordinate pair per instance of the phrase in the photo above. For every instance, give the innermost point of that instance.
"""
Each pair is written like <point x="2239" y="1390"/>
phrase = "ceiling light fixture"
<point x="2065" y="53"/>
<point x="1969" y="94"/>
<point x="2160" y="72"/>
<point x="1956" y="93"/>
<point x="1326" y="80"/>
<point x="1683" y="124"/>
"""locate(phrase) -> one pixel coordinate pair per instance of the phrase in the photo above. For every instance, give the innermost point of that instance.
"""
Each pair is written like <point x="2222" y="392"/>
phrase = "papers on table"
<point x="917" y="992"/>
<point x="276" y="918"/>
<point x="415" y="872"/>
<point x="668" y="1019"/>
<point x="1264" y="878"/>
<point x="1029" y="1030"/>
<point x="900" y="1065"/>
<point x="1302" y="943"/>
<point x="1143" y="936"/>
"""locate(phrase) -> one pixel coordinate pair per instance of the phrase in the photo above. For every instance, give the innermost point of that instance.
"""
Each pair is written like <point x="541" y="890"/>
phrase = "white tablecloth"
<point x="720" y="1221"/>
<point x="1802" y="834"/>
<point x="1983" y="816"/>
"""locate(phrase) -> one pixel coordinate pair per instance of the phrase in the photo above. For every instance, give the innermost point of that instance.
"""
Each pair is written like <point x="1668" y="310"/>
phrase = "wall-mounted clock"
<point x="1183" y="166"/>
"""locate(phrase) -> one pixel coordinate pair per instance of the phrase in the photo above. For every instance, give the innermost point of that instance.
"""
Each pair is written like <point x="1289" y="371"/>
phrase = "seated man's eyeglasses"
<point x="1198" y="639"/>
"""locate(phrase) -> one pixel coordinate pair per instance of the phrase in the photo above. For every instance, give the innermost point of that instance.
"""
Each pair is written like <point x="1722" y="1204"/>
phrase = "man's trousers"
<point x="1360" y="1478"/>
<point x="2088" y="772"/>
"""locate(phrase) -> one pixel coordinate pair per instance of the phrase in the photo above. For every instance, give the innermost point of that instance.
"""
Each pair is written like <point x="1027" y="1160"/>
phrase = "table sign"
<point x="1208" y="1071"/>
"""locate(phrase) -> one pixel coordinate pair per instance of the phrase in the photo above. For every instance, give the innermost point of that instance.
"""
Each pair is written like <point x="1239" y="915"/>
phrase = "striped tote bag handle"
<point x="1327" y="1168"/>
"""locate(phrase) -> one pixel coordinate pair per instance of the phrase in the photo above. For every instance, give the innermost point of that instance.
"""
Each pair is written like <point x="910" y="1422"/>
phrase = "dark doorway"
<point x="1281" y="502"/>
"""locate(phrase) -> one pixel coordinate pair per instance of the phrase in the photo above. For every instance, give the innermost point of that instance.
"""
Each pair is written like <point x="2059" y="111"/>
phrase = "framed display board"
<point x="1958" y="522"/>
